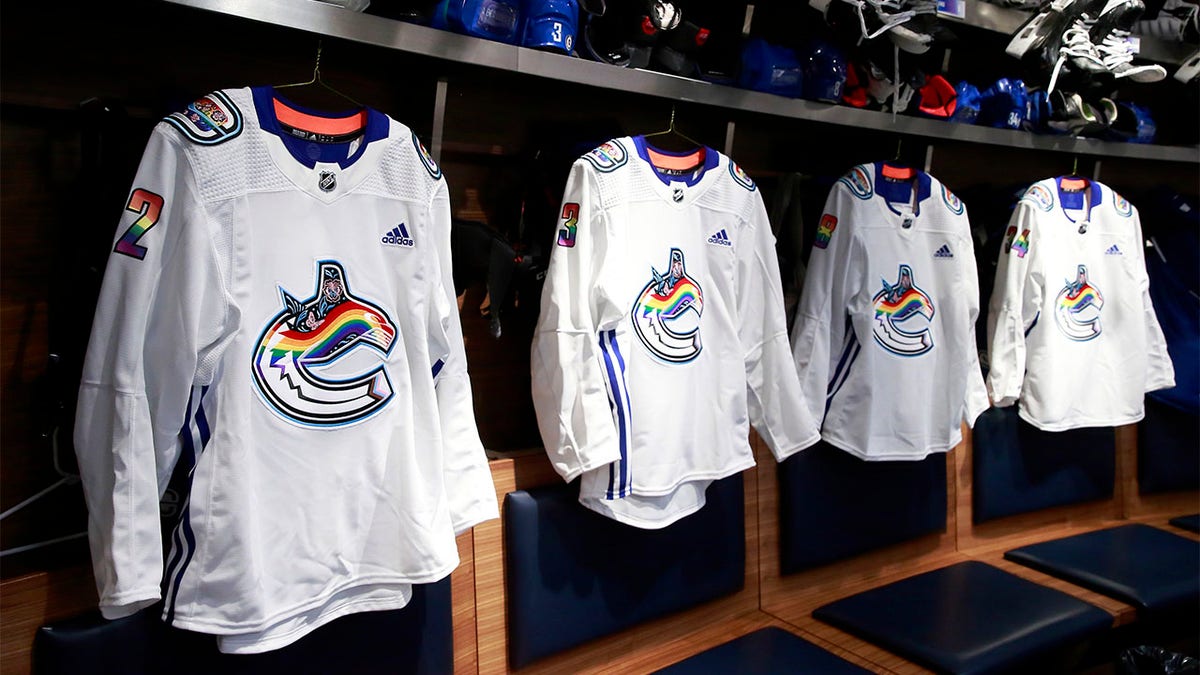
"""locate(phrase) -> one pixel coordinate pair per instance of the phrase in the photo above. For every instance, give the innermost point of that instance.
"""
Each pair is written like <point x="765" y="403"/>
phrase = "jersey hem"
<point x="690" y="478"/>
<point x="200" y="624"/>
<point x="1080" y="424"/>
<point x="592" y="504"/>
<point x="241" y="644"/>
<point x="907" y="456"/>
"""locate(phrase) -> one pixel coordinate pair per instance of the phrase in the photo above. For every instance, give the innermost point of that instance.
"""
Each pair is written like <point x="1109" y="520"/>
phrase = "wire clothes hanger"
<point x="672" y="130"/>
<point x="318" y="80"/>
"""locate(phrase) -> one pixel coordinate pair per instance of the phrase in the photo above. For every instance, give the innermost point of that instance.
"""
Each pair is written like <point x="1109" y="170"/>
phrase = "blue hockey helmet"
<point x="551" y="25"/>
<point x="1003" y="104"/>
<point x="825" y="71"/>
<point x="771" y="68"/>
<point x="967" y="110"/>
<point x="498" y="20"/>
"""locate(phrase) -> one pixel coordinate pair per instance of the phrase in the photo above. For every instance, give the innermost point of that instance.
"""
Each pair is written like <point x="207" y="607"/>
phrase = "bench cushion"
<point x="1018" y="468"/>
<point x="573" y="575"/>
<point x="1138" y="564"/>
<point x="833" y="505"/>
<point x="969" y="617"/>
<point x="1191" y="523"/>
<point x="766" y="651"/>
<point x="418" y="639"/>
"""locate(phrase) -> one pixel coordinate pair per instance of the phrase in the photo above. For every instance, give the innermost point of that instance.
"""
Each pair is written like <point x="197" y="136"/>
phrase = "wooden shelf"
<point x="319" y="18"/>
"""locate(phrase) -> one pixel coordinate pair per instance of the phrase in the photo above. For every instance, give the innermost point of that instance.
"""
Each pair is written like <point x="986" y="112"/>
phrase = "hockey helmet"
<point x="551" y="25"/>
<point x="498" y="20"/>
<point x="771" y="68"/>
<point x="966" y="110"/>
<point x="824" y="71"/>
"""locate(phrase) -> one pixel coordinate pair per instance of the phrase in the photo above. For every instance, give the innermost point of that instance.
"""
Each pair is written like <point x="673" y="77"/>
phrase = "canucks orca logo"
<point x="666" y="316"/>
<point x="1077" y="309"/>
<point x="300" y="366"/>
<point x="895" y="307"/>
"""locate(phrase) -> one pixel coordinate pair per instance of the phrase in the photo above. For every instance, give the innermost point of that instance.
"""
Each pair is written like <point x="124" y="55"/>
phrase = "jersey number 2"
<point x="149" y="207"/>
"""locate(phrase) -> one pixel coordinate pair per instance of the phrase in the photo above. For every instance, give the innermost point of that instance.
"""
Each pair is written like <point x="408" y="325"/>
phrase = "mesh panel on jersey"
<point x="242" y="164"/>
<point x="401" y="174"/>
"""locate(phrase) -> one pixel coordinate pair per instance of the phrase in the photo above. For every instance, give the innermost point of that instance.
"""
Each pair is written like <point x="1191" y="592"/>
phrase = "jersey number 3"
<point x="570" y="215"/>
<point x="149" y="207"/>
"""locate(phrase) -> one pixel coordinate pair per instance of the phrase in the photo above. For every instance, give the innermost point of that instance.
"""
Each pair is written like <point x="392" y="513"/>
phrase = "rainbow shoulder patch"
<point x="952" y="202"/>
<point x="610" y="156"/>
<point x="740" y="176"/>
<point x="1039" y="196"/>
<point x="1122" y="205"/>
<point x="431" y="166"/>
<point x="208" y="120"/>
<point x="859" y="182"/>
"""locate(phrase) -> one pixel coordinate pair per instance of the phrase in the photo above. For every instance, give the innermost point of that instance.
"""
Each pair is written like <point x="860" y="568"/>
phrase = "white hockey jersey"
<point x="661" y="335"/>
<point x="884" y="338"/>
<point x="278" y="314"/>
<point x="1071" y="329"/>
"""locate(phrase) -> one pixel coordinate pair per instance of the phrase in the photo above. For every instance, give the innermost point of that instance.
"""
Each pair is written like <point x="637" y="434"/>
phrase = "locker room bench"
<point x="764" y="652"/>
<point x="1150" y="568"/>
<point x="417" y="639"/>
<point x="1190" y="523"/>
<point x="573" y="575"/>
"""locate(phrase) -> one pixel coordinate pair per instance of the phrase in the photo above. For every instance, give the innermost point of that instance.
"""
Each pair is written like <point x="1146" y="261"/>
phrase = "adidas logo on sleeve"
<point x="398" y="236"/>
<point x="943" y="252"/>
<point x="1113" y="250"/>
<point x="720" y="239"/>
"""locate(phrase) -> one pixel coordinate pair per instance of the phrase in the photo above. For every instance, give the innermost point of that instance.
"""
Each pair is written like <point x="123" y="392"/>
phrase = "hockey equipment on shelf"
<point x="1190" y="69"/>
<point x="626" y="33"/>
<point x="1043" y="26"/>
<point x="1074" y="48"/>
<point x="551" y="25"/>
<point x="1003" y="105"/>
<point x="1175" y="21"/>
<point x="771" y="68"/>
<point x="824" y="68"/>
<point x="938" y="98"/>
<point x="1109" y="31"/>
<point x="677" y="49"/>
<point x="1130" y="122"/>
<point x="1070" y="114"/>
<point x="967" y="102"/>
<point x="498" y="20"/>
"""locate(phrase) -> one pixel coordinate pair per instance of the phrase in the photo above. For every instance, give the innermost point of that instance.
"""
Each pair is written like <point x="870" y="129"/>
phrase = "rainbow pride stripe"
<point x="902" y="307"/>
<point x="1079" y="298"/>
<point x="344" y="325"/>
<point x="682" y="295"/>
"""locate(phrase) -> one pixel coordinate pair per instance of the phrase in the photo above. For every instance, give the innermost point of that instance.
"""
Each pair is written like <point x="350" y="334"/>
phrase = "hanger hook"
<point x="899" y="143"/>
<point x="672" y="124"/>
<point x="1075" y="166"/>
<point x="317" y="65"/>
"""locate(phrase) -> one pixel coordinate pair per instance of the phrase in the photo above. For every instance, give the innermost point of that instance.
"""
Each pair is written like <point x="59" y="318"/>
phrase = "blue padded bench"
<point x="417" y="639"/>
<point x="833" y="505"/>
<point x="766" y="651"/>
<point x="969" y="617"/>
<point x="573" y="575"/>
<point x="1017" y="468"/>
<point x="1190" y="523"/>
<point x="1138" y="564"/>
<point x="1167" y="442"/>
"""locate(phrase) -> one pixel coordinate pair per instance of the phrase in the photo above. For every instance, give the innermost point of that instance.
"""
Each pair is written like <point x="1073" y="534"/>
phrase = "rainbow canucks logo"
<point x="1077" y="308"/>
<point x="896" y="327"/>
<point x="666" y="316"/>
<point x="299" y="366"/>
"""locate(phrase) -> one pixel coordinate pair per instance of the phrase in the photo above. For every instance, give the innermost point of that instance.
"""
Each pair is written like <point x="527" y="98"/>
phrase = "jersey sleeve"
<point x="1160" y="372"/>
<point x="976" y="397"/>
<point x="821" y="324"/>
<point x="468" y="478"/>
<point x="1014" y="306"/>
<point x="776" y="404"/>
<point x="569" y="393"/>
<point x="156" y="334"/>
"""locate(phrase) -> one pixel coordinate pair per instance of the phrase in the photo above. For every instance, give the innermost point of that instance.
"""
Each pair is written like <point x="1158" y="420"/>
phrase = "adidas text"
<point x="720" y="239"/>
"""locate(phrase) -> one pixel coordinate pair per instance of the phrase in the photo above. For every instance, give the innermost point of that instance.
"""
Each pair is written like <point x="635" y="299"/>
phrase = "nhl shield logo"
<point x="677" y="195"/>
<point x="327" y="181"/>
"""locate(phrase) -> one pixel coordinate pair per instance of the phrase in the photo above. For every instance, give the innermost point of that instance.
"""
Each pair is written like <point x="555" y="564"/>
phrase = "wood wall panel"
<point x="30" y="601"/>
<point x="462" y="593"/>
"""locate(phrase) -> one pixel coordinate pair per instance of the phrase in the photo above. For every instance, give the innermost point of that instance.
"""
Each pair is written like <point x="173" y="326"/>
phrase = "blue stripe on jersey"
<point x="619" y="478"/>
<point x="851" y="342"/>
<point x="627" y="480"/>
<point x="1035" y="320"/>
<point x="437" y="367"/>
<point x="184" y="537"/>
<point x="845" y="375"/>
